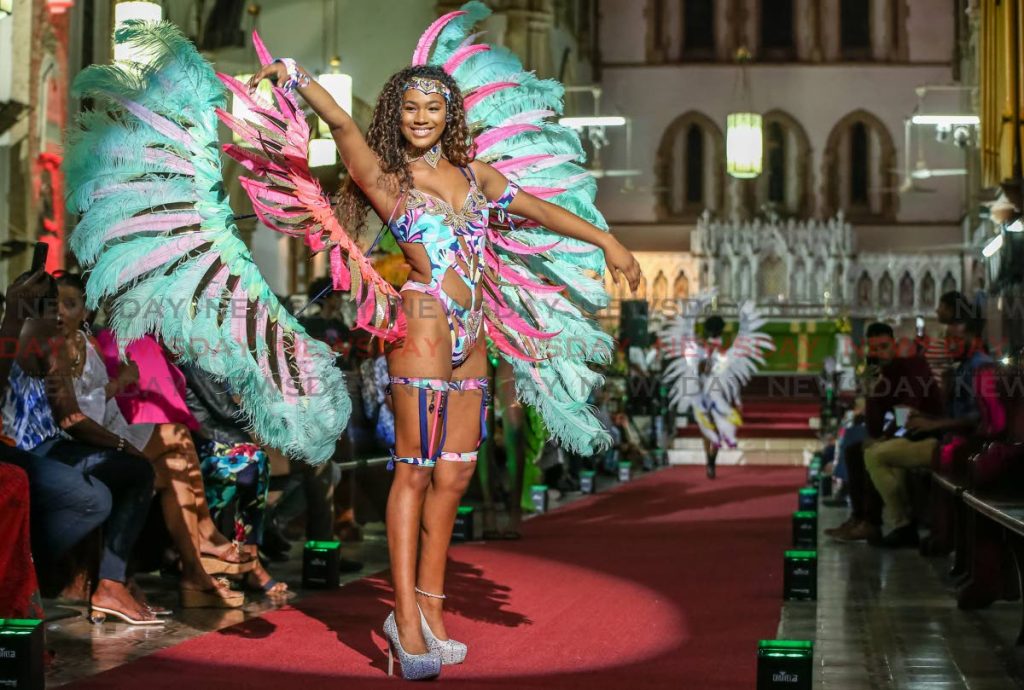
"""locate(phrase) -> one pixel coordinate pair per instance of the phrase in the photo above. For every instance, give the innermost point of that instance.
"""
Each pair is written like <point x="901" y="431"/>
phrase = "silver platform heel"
<point x="451" y="651"/>
<point x="414" y="666"/>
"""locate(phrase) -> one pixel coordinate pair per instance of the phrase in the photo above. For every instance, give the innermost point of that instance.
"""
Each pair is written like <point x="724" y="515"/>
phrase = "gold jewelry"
<point x="427" y="86"/>
<point x="431" y="156"/>
<point x="78" y="355"/>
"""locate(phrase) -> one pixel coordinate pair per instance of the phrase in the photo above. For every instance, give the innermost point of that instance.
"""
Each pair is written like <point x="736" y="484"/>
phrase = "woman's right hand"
<point x="276" y="72"/>
<point x="128" y="375"/>
<point x="20" y="296"/>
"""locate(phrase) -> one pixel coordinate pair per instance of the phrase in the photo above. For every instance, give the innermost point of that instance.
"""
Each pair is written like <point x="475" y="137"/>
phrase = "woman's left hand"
<point x="128" y="375"/>
<point x="622" y="264"/>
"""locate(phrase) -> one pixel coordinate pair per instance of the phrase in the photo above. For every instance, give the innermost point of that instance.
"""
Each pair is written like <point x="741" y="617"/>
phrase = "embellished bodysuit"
<point x="453" y="239"/>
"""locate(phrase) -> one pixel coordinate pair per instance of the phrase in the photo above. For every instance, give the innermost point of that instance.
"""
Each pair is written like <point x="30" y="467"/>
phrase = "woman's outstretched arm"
<point x="621" y="263"/>
<point x="360" y="161"/>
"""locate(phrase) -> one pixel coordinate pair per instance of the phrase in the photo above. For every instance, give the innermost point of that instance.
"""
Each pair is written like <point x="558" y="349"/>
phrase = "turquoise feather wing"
<point x="540" y="287"/>
<point x="164" y="255"/>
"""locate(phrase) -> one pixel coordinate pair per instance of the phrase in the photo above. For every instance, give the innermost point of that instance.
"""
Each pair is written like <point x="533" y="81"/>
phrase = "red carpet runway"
<point x="667" y="582"/>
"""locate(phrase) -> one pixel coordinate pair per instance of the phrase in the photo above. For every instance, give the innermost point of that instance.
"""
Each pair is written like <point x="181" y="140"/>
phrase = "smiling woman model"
<point x="415" y="168"/>
<point x="480" y="186"/>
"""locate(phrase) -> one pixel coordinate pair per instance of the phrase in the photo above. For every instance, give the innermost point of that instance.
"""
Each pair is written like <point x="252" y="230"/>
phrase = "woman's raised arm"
<point x="360" y="161"/>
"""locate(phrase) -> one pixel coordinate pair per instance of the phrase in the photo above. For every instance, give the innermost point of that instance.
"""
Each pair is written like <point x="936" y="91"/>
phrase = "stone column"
<point x="522" y="26"/>
<point x="806" y="30"/>
<point x="828" y="30"/>
<point x="881" y="31"/>
<point x="738" y="21"/>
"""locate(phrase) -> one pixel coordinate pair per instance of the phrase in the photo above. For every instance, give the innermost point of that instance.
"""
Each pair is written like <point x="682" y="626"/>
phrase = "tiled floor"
<point x="887" y="619"/>
<point x="82" y="649"/>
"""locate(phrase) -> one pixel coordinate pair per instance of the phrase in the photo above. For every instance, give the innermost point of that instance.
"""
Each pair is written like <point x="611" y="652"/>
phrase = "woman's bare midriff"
<point x="419" y="272"/>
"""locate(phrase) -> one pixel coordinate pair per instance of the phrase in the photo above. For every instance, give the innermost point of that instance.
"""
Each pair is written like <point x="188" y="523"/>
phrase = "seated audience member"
<point x="236" y="470"/>
<point x="167" y="446"/>
<point x="865" y="519"/>
<point x="631" y="446"/>
<point x="935" y="350"/>
<point x="39" y="394"/>
<point x="887" y="461"/>
<point x="18" y="588"/>
<point x="65" y="505"/>
<point x="890" y="381"/>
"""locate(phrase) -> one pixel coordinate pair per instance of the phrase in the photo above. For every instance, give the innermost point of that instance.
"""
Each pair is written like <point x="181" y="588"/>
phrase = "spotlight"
<point x="942" y="132"/>
<point x="961" y="137"/>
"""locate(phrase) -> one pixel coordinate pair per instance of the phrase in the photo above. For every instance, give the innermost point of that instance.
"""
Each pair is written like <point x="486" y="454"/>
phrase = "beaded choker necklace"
<point x="432" y="156"/>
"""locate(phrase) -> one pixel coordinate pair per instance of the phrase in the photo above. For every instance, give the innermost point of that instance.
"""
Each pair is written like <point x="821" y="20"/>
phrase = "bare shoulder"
<point x="492" y="183"/>
<point x="481" y="170"/>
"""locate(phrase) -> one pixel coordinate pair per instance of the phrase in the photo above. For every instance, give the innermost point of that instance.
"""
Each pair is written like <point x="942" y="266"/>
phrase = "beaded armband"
<point x="296" y="79"/>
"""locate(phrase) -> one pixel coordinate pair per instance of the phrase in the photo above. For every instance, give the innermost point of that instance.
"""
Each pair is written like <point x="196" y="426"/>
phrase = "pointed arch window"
<point x="906" y="291"/>
<point x="681" y="286"/>
<point x="659" y="292"/>
<point x="690" y="168"/>
<point x="948" y="283"/>
<point x="885" y="290"/>
<point x="785" y="183"/>
<point x="927" y="296"/>
<point x="858" y="166"/>
<point x="864" y="288"/>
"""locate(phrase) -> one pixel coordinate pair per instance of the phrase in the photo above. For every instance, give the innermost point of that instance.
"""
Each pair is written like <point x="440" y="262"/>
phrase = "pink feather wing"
<point x="426" y="42"/>
<point x="288" y="198"/>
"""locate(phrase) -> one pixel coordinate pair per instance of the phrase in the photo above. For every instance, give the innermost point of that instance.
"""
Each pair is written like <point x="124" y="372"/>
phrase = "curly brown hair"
<point x="385" y="139"/>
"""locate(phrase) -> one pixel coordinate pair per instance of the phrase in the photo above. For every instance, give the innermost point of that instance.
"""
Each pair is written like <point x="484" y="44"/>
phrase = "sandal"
<point x="215" y="564"/>
<point x="98" y="614"/>
<point x="268" y="588"/>
<point x="274" y="588"/>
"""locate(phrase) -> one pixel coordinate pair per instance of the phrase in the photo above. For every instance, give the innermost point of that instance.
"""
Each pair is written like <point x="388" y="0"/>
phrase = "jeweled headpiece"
<point x="427" y="86"/>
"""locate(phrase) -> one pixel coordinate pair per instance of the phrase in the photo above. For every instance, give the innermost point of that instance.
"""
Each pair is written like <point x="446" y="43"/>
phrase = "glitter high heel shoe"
<point x="414" y="666"/>
<point x="451" y="651"/>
